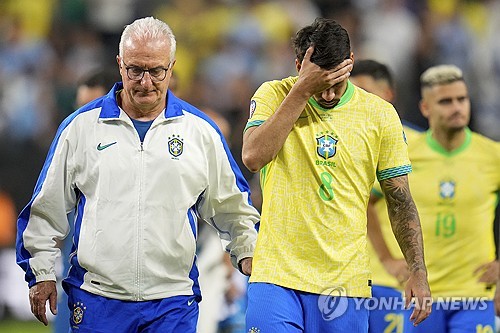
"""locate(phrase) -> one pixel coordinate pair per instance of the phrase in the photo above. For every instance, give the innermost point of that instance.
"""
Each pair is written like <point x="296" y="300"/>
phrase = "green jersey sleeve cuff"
<point x="393" y="172"/>
<point x="253" y="123"/>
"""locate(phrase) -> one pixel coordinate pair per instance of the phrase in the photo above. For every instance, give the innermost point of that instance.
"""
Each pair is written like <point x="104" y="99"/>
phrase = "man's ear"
<point x="298" y="65"/>
<point x="118" y="61"/>
<point x="389" y="94"/>
<point x="424" y="108"/>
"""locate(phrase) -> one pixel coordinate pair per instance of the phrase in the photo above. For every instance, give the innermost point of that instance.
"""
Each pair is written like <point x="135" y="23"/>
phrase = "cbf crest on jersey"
<point x="78" y="312"/>
<point x="447" y="189"/>
<point x="326" y="144"/>
<point x="175" y="145"/>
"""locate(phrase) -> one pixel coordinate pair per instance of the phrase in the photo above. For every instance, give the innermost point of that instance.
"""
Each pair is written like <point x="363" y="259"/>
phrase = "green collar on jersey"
<point x="436" y="146"/>
<point x="346" y="97"/>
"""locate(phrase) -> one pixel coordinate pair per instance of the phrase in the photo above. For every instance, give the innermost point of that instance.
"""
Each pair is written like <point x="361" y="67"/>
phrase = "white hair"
<point x="441" y="74"/>
<point x="147" y="28"/>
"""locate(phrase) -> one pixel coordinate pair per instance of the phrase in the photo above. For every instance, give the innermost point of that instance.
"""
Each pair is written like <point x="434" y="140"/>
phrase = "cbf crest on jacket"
<point x="137" y="203"/>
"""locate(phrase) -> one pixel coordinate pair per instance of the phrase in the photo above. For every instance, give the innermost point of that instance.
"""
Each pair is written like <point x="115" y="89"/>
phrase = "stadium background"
<point x="225" y="49"/>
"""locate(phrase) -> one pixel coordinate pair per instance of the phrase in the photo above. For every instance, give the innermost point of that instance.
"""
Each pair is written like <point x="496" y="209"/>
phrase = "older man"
<point x="141" y="167"/>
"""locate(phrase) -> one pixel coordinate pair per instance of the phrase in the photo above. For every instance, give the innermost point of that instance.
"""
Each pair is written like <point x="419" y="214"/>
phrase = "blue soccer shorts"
<point x="90" y="313"/>
<point x="387" y="310"/>
<point x="473" y="315"/>
<point x="275" y="309"/>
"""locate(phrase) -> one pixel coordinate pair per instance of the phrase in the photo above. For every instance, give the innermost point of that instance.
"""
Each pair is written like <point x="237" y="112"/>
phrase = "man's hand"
<point x="39" y="294"/>
<point x="246" y="266"/>
<point x="314" y="79"/>
<point x="417" y="290"/>
<point x="489" y="272"/>
<point x="497" y="299"/>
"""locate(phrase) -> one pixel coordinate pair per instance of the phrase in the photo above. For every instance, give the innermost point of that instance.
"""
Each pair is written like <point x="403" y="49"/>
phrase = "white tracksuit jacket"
<point x="137" y="205"/>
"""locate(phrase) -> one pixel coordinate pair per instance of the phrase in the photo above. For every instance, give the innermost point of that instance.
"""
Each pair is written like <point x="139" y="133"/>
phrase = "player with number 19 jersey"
<point x="313" y="228"/>
<point x="456" y="194"/>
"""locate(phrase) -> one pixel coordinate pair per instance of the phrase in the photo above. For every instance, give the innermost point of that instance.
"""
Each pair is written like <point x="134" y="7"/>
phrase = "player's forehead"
<point x="453" y="89"/>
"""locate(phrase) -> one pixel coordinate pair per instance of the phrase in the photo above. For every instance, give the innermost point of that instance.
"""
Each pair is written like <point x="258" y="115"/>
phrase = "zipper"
<point x="138" y="269"/>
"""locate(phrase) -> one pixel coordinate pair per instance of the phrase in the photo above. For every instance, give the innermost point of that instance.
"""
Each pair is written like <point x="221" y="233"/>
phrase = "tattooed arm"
<point x="406" y="227"/>
<point x="404" y="220"/>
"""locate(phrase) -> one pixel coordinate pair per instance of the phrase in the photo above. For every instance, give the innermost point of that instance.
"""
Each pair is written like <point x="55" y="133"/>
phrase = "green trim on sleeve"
<point x="253" y="123"/>
<point x="377" y="193"/>
<point x="263" y="173"/>
<point x="393" y="172"/>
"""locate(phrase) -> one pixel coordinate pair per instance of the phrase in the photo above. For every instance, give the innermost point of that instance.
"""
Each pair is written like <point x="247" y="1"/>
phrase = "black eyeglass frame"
<point x="155" y="78"/>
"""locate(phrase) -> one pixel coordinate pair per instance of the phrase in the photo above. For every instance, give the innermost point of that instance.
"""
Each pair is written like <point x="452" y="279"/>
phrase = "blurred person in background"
<point x="95" y="84"/>
<point x="465" y="33"/>
<point x="25" y="65"/>
<point x="388" y="266"/>
<point x="224" y="288"/>
<point x="400" y="30"/>
<point x="307" y="136"/>
<point x="140" y="167"/>
<point x="455" y="184"/>
<point x="7" y="220"/>
<point x="26" y="120"/>
<point x="7" y="241"/>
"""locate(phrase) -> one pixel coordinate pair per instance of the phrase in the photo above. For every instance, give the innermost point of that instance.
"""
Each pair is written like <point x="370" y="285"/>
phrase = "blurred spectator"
<point x="35" y="16"/>
<point x="223" y="306"/>
<point x="393" y="42"/>
<point x="485" y="23"/>
<point x="95" y="84"/>
<point x="26" y="101"/>
<point x="108" y="17"/>
<point x="228" y="47"/>
<point x="7" y="241"/>
<point x="200" y="26"/>
<point x="8" y="216"/>
<point x="464" y="33"/>
<point x="25" y="66"/>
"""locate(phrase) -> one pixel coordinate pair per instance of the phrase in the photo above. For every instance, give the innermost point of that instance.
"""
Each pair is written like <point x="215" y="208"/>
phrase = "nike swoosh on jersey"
<point x="102" y="147"/>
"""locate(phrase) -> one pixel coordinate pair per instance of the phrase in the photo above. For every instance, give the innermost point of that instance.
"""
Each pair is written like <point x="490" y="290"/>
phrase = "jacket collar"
<point x="110" y="109"/>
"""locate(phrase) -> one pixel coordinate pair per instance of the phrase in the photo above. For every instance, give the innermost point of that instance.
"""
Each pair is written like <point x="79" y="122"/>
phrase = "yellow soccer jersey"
<point x="315" y="191"/>
<point x="456" y="194"/>
<point x="379" y="274"/>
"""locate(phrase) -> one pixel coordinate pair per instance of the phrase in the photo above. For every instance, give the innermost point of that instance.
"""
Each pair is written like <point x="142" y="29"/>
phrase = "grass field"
<point x="14" y="326"/>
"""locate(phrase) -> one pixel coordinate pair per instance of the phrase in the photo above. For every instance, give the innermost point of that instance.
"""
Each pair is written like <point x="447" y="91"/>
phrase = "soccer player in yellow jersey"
<point x="388" y="267"/>
<point x="455" y="184"/>
<point x="319" y="143"/>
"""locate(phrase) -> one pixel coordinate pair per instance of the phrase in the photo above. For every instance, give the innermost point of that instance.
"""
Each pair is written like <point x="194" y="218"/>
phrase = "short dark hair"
<point x="331" y="43"/>
<point x="102" y="77"/>
<point x="374" y="69"/>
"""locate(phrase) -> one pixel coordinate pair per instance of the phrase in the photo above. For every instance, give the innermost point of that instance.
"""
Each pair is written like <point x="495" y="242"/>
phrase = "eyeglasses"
<point x="136" y="73"/>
